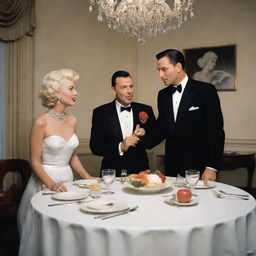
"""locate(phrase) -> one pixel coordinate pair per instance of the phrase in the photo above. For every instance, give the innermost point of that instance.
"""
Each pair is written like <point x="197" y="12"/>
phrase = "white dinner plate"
<point x="70" y="195"/>
<point x="148" y="190"/>
<point x="104" y="206"/>
<point x="171" y="201"/>
<point x="200" y="185"/>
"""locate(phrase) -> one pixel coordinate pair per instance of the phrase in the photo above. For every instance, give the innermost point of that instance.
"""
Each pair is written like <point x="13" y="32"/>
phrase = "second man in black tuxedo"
<point x="118" y="128"/>
<point x="190" y="119"/>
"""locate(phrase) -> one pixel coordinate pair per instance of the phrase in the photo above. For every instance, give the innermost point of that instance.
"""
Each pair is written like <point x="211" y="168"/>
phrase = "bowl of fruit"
<point x="147" y="182"/>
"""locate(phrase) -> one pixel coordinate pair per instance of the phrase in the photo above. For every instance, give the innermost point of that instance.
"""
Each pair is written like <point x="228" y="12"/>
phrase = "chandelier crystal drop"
<point x="143" y="18"/>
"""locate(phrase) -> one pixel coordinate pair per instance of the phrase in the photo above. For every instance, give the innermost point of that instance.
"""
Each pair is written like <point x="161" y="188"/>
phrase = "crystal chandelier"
<point x="143" y="18"/>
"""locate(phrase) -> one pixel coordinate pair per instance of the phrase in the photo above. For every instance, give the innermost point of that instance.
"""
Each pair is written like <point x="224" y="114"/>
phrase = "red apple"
<point x="184" y="195"/>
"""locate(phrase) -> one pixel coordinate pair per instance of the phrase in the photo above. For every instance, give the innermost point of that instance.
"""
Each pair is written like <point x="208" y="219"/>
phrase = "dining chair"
<point x="14" y="176"/>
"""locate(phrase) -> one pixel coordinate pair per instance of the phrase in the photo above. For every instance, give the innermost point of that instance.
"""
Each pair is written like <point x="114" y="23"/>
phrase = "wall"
<point x="215" y="23"/>
<point x="69" y="36"/>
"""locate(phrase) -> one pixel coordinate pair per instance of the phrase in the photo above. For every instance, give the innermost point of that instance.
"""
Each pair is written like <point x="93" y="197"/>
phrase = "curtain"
<point x="17" y="18"/>
<point x="19" y="78"/>
<point x="2" y="100"/>
<point x="17" y="25"/>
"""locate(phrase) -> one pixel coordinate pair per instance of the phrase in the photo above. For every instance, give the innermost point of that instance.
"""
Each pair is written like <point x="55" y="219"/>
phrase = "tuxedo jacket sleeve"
<point x="106" y="131"/>
<point x="214" y="129"/>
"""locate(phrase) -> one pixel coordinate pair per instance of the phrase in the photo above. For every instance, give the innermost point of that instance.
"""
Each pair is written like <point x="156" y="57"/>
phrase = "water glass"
<point x="95" y="190"/>
<point x="108" y="177"/>
<point x="192" y="178"/>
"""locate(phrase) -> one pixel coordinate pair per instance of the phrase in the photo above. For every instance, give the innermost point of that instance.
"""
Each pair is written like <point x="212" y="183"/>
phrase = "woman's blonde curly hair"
<point x="51" y="84"/>
<point x="203" y="60"/>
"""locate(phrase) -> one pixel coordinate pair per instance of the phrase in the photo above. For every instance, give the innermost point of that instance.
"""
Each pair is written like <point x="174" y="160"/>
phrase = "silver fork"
<point x="72" y="202"/>
<point x="132" y="209"/>
<point x="228" y="196"/>
<point x="243" y="195"/>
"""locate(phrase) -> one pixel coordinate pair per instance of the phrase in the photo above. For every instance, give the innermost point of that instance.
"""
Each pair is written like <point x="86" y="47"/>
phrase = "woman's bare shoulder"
<point x="40" y="121"/>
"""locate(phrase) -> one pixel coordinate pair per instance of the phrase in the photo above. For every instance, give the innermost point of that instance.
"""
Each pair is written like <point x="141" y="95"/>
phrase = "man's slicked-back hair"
<point x="117" y="74"/>
<point x="174" y="56"/>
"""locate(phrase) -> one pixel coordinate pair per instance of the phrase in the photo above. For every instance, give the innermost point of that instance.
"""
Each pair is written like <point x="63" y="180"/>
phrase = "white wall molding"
<point x="231" y="144"/>
<point x="84" y="147"/>
<point x="240" y="145"/>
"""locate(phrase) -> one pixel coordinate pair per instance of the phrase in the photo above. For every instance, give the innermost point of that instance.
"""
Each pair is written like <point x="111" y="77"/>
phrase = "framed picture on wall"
<point x="215" y="65"/>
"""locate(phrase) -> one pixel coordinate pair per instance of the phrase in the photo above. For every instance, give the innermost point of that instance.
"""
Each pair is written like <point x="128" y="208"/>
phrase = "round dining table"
<point x="212" y="227"/>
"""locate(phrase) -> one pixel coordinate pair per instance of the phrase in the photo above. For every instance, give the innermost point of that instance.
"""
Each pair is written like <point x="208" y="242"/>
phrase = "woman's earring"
<point x="58" y="100"/>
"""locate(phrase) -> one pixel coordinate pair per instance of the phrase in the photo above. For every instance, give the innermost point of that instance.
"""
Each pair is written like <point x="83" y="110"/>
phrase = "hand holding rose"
<point x="130" y="141"/>
<point x="138" y="131"/>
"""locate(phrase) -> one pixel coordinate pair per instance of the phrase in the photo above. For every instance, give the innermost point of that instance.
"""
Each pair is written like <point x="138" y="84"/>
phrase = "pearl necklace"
<point x="56" y="115"/>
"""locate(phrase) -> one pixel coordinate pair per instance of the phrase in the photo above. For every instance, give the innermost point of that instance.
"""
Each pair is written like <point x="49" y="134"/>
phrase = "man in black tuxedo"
<point x="190" y="119"/>
<point x="118" y="128"/>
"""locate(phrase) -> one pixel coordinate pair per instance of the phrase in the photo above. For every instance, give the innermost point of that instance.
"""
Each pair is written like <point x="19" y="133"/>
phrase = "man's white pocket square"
<point x="193" y="108"/>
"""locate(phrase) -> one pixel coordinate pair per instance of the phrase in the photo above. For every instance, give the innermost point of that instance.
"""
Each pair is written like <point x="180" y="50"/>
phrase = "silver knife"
<point x="72" y="202"/>
<point x="48" y="193"/>
<point x="110" y="214"/>
<point x="120" y="213"/>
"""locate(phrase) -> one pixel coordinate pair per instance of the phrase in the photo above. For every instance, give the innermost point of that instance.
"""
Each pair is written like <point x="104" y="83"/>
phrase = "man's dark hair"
<point x="117" y="74"/>
<point x="174" y="56"/>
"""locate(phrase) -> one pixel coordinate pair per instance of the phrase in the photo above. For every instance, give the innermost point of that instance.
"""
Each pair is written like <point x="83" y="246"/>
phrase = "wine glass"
<point x="108" y="177"/>
<point x="192" y="178"/>
<point x="123" y="175"/>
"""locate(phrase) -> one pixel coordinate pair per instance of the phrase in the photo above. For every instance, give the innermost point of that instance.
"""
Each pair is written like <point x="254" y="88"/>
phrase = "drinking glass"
<point x="123" y="175"/>
<point x="180" y="181"/>
<point x="95" y="190"/>
<point x="192" y="178"/>
<point x="108" y="177"/>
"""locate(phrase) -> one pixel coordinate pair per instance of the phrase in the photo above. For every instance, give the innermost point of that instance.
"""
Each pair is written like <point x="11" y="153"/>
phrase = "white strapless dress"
<point x="56" y="154"/>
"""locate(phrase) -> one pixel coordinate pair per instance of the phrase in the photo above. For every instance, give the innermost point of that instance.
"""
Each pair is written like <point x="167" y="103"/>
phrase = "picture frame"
<point x="215" y="65"/>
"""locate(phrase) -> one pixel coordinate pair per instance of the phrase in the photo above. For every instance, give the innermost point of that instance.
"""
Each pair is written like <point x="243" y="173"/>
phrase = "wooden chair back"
<point x="14" y="176"/>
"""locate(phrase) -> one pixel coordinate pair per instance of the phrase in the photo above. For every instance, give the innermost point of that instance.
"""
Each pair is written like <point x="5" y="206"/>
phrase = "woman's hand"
<point x="89" y="177"/>
<point x="58" y="187"/>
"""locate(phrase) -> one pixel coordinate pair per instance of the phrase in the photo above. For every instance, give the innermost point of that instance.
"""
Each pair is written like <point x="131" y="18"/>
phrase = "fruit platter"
<point x="147" y="182"/>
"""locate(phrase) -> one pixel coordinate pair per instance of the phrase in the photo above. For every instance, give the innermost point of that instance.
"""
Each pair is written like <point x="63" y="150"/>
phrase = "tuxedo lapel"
<point x="135" y="112"/>
<point x="168" y="106"/>
<point x="186" y="99"/>
<point x="114" y="121"/>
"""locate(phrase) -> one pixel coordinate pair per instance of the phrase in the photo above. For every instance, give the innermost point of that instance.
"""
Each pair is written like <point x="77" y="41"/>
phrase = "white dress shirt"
<point x="126" y="123"/>
<point x="176" y="97"/>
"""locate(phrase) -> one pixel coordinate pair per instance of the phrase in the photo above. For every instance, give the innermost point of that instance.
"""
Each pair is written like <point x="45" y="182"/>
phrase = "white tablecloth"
<point x="214" y="227"/>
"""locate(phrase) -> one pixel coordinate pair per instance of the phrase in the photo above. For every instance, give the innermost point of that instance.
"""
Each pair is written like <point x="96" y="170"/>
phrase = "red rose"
<point x="143" y="116"/>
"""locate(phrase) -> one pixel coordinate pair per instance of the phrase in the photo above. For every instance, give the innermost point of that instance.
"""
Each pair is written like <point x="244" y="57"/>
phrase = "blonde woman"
<point x="53" y="142"/>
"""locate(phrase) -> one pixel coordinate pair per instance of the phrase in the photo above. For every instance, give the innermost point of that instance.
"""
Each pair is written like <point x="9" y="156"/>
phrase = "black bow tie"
<point x="126" y="108"/>
<point x="177" y="88"/>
